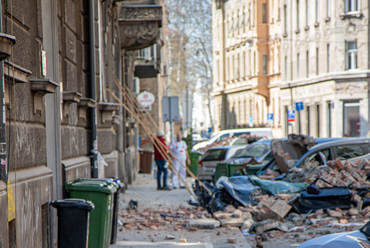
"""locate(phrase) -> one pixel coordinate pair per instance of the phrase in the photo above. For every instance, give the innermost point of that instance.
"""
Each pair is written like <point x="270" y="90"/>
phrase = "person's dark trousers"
<point x="161" y="168"/>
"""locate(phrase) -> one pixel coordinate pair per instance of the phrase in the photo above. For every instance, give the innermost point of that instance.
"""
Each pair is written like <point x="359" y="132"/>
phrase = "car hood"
<point x="339" y="240"/>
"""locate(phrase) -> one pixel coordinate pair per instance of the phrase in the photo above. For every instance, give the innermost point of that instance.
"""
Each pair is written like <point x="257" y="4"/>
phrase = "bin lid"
<point x="115" y="182"/>
<point x="73" y="203"/>
<point x="118" y="182"/>
<point x="92" y="185"/>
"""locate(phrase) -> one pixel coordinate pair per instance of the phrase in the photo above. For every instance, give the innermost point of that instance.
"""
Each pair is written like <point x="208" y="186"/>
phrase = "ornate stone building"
<point x="246" y="60"/>
<point x="325" y="65"/>
<point x="60" y="117"/>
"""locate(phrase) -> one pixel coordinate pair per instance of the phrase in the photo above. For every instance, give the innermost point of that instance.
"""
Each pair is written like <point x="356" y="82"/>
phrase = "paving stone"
<point x="204" y="223"/>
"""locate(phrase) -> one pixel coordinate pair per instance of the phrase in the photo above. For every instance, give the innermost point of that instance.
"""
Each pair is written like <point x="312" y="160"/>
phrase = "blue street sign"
<point x="250" y="121"/>
<point x="270" y="118"/>
<point x="291" y="116"/>
<point x="299" y="106"/>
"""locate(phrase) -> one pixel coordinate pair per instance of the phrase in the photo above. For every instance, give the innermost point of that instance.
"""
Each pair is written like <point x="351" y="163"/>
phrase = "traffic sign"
<point x="270" y="118"/>
<point x="291" y="116"/>
<point x="170" y="109"/>
<point x="250" y="121"/>
<point x="299" y="106"/>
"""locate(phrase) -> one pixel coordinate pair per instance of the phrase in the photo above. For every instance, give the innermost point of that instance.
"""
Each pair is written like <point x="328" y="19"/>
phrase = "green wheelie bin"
<point x="194" y="160"/>
<point x="101" y="193"/>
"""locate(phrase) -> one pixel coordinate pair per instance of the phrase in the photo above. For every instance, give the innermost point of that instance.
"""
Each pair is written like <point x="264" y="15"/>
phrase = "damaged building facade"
<point x="325" y="65"/>
<point x="61" y="121"/>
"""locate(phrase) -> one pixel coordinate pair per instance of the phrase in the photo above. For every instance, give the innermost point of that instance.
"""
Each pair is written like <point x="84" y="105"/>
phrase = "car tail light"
<point x="200" y="163"/>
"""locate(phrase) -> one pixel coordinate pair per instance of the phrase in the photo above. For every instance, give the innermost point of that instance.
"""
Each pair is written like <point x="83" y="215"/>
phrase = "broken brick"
<point x="237" y="213"/>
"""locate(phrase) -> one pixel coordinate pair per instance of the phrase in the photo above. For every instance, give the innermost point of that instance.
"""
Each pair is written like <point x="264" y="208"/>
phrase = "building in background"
<point x="246" y="62"/>
<point x="325" y="65"/>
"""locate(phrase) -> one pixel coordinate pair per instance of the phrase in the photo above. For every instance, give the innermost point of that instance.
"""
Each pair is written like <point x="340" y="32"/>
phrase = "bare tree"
<point x="191" y="42"/>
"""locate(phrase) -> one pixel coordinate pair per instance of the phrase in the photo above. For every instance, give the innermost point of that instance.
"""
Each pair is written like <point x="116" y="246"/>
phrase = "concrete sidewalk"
<point x="144" y="191"/>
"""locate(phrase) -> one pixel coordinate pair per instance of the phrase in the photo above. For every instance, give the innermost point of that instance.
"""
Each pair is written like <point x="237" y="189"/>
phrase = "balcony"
<point x="148" y="62"/>
<point x="139" y="24"/>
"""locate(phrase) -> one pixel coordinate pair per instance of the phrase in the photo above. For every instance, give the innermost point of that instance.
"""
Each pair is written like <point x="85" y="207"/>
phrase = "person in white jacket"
<point x="180" y="151"/>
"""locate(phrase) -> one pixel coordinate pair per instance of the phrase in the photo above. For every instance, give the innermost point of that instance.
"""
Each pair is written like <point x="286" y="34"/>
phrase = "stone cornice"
<point x="139" y="25"/>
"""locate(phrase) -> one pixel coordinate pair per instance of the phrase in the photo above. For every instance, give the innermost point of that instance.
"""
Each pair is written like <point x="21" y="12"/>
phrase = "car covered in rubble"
<point x="258" y="155"/>
<point x="359" y="238"/>
<point x="326" y="149"/>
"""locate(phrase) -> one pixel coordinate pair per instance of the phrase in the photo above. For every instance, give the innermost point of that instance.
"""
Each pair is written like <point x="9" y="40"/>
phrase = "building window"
<point x="239" y="112"/>
<point x="255" y="64"/>
<point x="317" y="61"/>
<point x="351" y="55"/>
<point x="308" y="119"/>
<point x="244" y="64"/>
<point x="228" y="69"/>
<point x="307" y="13"/>
<point x="298" y="67"/>
<point x="254" y="14"/>
<point x="249" y="16"/>
<point x="297" y="21"/>
<point x="243" y="23"/>
<point x="245" y="112"/>
<point x="328" y="116"/>
<point x="328" y="58"/>
<point x="318" y="120"/>
<point x="237" y="22"/>
<point x="286" y="68"/>
<point x="327" y="8"/>
<point x="264" y="13"/>
<point x="285" y="20"/>
<point x="250" y="107"/>
<point x="286" y="120"/>
<point x="250" y="64"/>
<point x="232" y="68"/>
<point x="264" y="64"/>
<point x="307" y="64"/>
<point x="218" y="71"/>
<point x="237" y="67"/>
<point x="279" y="110"/>
<point x="351" y="119"/>
<point x="317" y="11"/>
<point x="351" y="5"/>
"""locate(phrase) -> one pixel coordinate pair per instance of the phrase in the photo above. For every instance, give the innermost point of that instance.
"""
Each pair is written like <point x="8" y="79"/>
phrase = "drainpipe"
<point x="94" y="136"/>
<point x="3" y="168"/>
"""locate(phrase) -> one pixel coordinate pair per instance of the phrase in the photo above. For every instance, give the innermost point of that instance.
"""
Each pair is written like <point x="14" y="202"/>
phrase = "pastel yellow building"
<point x="246" y="60"/>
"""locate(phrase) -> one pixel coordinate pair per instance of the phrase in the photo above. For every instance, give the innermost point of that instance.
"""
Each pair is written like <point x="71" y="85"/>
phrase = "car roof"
<point x="341" y="141"/>
<point x="246" y="129"/>
<point x="226" y="147"/>
<point x="323" y="140"/>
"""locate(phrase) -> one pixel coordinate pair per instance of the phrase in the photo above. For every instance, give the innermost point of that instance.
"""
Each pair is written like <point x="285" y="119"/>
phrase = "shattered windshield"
<point x="256" y="150"/>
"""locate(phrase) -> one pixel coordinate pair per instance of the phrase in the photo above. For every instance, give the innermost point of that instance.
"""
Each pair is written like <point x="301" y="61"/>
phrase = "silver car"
<point x="207" y="164"/>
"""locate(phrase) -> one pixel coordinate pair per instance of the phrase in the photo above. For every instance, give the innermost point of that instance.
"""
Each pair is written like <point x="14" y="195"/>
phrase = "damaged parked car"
<point x="292" y="159"/>
<point x="214" y="155"/>
<point x="354" y="239"/>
